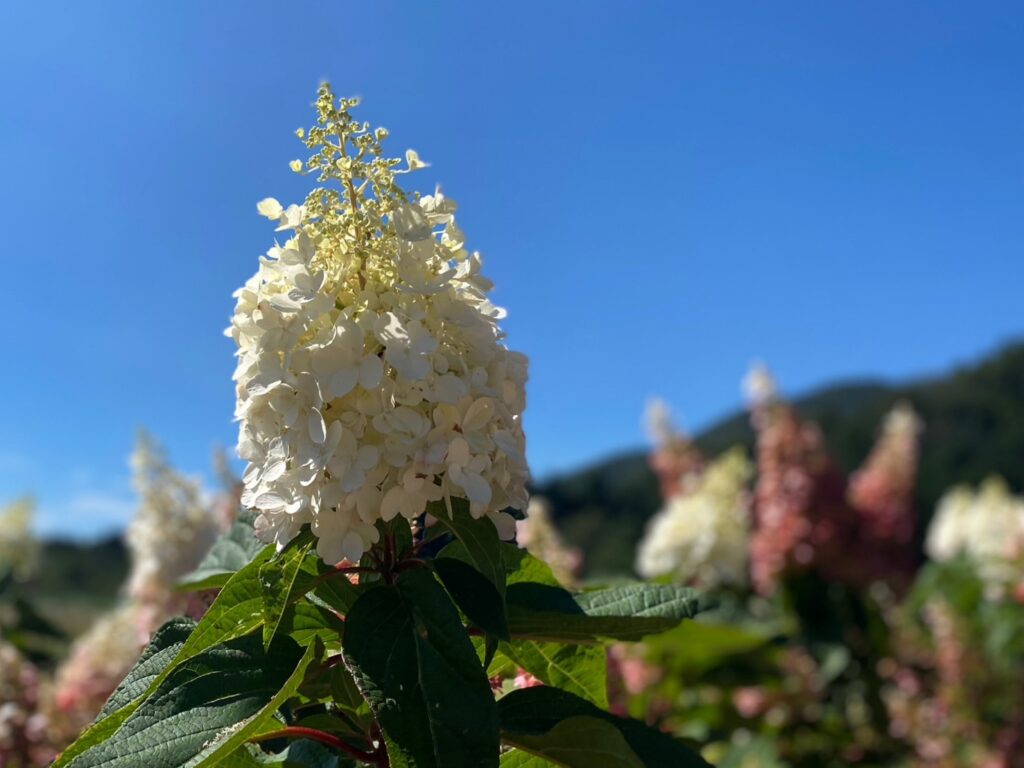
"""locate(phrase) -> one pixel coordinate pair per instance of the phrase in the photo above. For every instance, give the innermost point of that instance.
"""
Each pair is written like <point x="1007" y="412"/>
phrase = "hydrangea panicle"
<point x="985" y="526"/>
<point x="882" y="493"/>
<point x="171" y="531"/>
<point x="19" y="549"/>
<point x="539" y="536"/>
<point x="702" y="534"/>
<point x="371" y="377"/>
<point x="802" y="519"/>
<point x="675" y="459"/>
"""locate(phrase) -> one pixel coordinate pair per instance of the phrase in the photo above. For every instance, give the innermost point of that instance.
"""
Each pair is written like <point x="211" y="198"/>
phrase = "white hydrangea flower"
<point x="172" y="529"/>
<point x="986" y="526"/>
<point x="371" y="377"/>
<point x="702" y="534"/>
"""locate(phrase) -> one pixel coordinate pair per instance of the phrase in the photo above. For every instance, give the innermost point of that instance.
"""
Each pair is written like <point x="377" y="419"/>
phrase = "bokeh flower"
<point x="702" y="534"/>
<point x="802" y="519"/>
<point x="675" y="459"/>
<point x="19" y="549"/>
<point x="882" y="494"/>
<point x="171" y="531"/>
<point x="985" y="526"/>
<point x="538" y="535"/>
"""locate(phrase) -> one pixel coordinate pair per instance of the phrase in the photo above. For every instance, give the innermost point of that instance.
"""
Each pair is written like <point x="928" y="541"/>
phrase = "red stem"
<point x="327" y="739"/>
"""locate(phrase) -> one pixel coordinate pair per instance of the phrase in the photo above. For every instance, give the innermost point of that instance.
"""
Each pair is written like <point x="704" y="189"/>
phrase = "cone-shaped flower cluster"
<point x="987" y="527"/>
<point x="23" y="730"/>
<point x="171" y="531"/>
<point x="802" y="518"/>
<point x="702" y="534"/>
<point x="18" y="547"/>
<point x="371" y="376"/>
<point x="538" y="535"/>
<point x="675" y="458"/>
<point x="882" y="493"/>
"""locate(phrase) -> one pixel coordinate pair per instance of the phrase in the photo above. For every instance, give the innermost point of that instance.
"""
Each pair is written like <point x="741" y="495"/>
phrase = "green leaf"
<point x="694" y="648"/>
<point x="516" y="758"/>
<point x="232" y="738"/>
<point x="582" y="741"/>
<point x="305" y="622"/>
<point x="520" y="565"/>
<point x="626" y="612"/>
<point x="231" y="552"/>
<point x="162" y="649"/>
<point x="579" y="669"/>
<point x="474" y="594"/>
<point x="413" y="661"/>
<point x="530" y="720"/>
<point x="277" y="578"/>
<point x="193" y="717"/>
<point x="302" y="753"/>
<point x="236" y="612"/>
<point x="335" y="591"/>
<point x="164" y="646"/>
<point x="478" y="535"/>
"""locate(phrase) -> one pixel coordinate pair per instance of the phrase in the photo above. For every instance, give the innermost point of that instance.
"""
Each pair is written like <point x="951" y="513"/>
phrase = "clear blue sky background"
<point x="663" y="191"/>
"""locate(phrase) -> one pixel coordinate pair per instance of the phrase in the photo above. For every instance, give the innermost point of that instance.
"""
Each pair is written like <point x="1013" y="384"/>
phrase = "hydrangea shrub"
<point x="386" y="619"/>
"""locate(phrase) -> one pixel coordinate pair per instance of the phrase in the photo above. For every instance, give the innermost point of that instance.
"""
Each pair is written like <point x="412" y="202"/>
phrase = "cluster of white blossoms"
<point x="985" y="526"/>
<point x="702" y="534"/>
<point x="171" y="531"/>
<point x="539" y="536"/>
<point x="18" y="547"/>
<point x="371" y="376"/>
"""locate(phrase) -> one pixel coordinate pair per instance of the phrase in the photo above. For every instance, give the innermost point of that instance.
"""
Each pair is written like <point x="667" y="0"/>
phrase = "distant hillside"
<point x="974" y="426"/>
<point x="77" y="580"/>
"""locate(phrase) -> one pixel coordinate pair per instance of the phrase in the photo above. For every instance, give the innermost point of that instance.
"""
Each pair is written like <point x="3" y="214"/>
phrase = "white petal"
<point x="370" y="371"/>
<point x="342" y="382"/>
<point x="270" y="208"/>
<point x="317" y="427"/>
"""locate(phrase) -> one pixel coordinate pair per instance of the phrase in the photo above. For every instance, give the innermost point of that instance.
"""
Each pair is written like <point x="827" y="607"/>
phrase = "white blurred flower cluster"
<point x="538" y="535"/>
<point x="19" y="549"/>
<point x="703" y="533"/>
<point x="985" y="526"/>
<point x="371" y="377"/>
<point x="172" y="530"/>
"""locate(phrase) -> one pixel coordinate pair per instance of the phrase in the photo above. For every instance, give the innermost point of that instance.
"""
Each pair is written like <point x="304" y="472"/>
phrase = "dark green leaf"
<point x="236" y="612"/>
<point x="478" y="535"/>
<point x="164" y="646"/>
<point x="474" y="594"/>
<point x="581" y="742"/>
<point x="413" y="662"/>
<point x="626" y="612"/>
<point x="530" y="715"/>
<point x="206" y="708"/>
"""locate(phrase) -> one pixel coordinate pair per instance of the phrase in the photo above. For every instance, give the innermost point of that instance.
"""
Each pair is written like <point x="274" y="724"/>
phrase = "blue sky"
<point x="662" y="191"/>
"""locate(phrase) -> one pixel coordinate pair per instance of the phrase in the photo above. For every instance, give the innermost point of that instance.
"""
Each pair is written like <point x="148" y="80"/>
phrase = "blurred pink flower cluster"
<point x="24" y="737"/>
